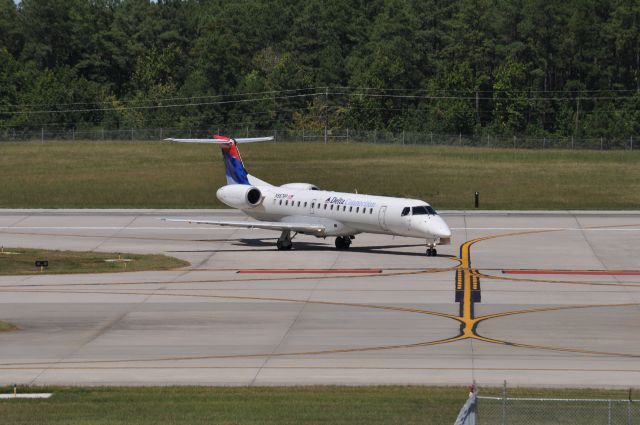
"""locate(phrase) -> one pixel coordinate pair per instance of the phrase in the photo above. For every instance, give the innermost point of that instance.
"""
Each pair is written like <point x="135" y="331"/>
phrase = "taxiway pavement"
<point x="543" y="299"/>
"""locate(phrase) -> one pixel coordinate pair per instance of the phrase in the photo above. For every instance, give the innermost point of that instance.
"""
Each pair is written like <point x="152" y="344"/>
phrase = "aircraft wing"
<point x="269" y="225"/>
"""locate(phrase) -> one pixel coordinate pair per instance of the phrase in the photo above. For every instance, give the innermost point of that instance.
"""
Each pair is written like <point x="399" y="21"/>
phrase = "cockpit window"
<point x="406" y="211"/>
<point x="424" y="210"/>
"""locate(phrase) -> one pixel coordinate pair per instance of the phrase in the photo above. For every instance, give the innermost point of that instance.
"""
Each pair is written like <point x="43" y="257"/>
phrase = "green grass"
<point x="23" y="262"/>
<point x="257" y="405"/>
<point x="5" y="327"/>
<point x="166" y="175"/>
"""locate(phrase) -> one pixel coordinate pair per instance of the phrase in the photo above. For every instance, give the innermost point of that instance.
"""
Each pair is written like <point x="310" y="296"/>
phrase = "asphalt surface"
<point x="534" y="298"/>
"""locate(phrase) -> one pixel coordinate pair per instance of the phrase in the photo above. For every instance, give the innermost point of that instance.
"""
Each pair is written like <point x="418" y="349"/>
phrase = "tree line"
<point x="531" y="67"/>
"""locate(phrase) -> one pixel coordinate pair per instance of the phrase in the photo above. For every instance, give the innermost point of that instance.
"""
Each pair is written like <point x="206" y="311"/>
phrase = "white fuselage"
<point x="343" y="214"/>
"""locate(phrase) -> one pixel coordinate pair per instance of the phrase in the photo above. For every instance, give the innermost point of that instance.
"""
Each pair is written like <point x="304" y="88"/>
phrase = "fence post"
<point x="160" y="133"/>
<point x="403" y="137"/>
<point x="460" y="138"/>
<point x="601" y="144"/>
<point x="544" y="142"/>
<point x="347" y="135"/>
<point x="504" y="403"/>
<point x="629" y="408"/>
<point x="431" y="134"/>
<point x="571" y="142"/>
<point x="375" y="136"/>
<point x="42" y="135"/>
<point x="630" y="138"/>
<point x="514" y="142"/>
<point x="73" y="134"/>
<point x="275" y="136"/>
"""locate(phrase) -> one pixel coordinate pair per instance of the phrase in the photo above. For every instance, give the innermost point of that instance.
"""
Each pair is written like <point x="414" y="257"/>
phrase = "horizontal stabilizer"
<point x="221" y="141"/>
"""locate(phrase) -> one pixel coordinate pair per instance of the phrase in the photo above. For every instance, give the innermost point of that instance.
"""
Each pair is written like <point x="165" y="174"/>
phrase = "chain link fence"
<point x="329" y="136"/>
<point x="548" y="411"/>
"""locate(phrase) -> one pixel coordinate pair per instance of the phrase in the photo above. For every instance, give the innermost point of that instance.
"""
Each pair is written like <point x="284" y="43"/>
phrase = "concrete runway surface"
<point x="534" y="298"/>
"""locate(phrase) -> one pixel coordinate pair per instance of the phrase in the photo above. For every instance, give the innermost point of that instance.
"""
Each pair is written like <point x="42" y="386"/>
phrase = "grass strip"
<point x="171" y="175"/>
<point x="262" y="405"/>
<point x="22" y="261"/>
<point x="5" y="326"/>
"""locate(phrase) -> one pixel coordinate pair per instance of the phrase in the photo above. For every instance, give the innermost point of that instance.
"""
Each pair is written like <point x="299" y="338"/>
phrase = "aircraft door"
<point x="312" y="206"/>
<point x="405" y="218"/>
<point x="382" y="217"/>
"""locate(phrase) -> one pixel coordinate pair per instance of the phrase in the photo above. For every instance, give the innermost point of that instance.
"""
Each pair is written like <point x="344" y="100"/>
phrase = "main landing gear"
<point x="431" y="250"/>
<point x="343" y="242"/>
<point x="284" y="241"/>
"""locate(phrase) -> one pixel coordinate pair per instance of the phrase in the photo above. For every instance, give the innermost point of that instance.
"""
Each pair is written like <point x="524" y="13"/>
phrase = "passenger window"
<point x="331" y="207"/>
<point x="305" y="205"/>
<point x="357" y="209"/>
<point x="280" y="201"/>
<point x="286" y="202"/>
<point x="325" y="206"/>
<point x="406" y="211"/>
<point x="344" y="208"/>
<point x="350" y="209"/>
<point x="364" y="210"/>
<point x="313" y="205"/>
<point x="370" y="210"/>
<point x="298" y="203"/>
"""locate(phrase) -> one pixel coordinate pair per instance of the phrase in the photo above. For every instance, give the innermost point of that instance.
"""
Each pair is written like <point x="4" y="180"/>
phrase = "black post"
<point x="477" y="199"/>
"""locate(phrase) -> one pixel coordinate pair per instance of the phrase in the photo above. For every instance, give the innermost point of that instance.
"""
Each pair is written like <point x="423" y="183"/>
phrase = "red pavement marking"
<point x="577" y="272"/>
<point x="305" y="271"/>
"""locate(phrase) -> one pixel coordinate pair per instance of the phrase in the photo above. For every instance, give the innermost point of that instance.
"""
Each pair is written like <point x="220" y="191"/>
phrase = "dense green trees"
<point x="474" y="67"/>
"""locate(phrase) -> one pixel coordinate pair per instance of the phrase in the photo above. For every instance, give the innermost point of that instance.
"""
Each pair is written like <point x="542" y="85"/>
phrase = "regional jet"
<point x="305" y="209"/>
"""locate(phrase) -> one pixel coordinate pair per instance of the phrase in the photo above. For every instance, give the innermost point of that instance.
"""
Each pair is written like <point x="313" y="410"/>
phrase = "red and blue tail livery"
<point x="234" y="168"/>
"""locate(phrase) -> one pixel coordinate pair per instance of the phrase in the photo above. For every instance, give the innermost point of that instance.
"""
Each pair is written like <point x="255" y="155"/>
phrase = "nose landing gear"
<point x="431" y="249"/>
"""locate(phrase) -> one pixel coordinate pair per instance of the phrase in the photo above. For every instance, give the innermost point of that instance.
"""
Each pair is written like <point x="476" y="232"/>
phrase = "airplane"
<point x="303" y="208"/>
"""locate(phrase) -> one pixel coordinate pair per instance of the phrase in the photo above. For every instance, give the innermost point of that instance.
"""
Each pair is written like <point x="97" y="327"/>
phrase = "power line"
<point x="125" y="101"/>
<point x="179" y="105"/>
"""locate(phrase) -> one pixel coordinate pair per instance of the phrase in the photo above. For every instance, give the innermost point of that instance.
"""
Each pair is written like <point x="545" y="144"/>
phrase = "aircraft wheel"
<point x="283" y="245"/>
<point x="342" y="243"/>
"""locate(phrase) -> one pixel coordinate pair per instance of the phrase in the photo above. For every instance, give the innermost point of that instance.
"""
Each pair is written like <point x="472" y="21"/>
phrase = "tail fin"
<point x="234" y="167"/>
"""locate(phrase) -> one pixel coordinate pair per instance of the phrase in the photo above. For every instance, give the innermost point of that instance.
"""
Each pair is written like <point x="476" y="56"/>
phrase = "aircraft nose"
<point x="440" y="228"/>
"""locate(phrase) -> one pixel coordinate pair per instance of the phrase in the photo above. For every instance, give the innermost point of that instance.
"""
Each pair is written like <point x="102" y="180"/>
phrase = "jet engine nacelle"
<point x="301" y="186"/>
<point x="240" y="196"/>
